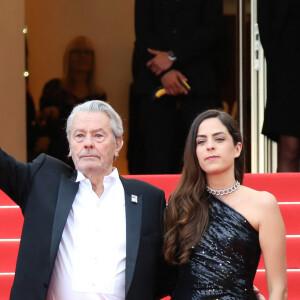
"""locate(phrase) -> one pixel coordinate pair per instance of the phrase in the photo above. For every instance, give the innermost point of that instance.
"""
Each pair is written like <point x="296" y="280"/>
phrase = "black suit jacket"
<point x="279" y="28"/>
<point x="271" y="17"/>
<point x="45" y="190"/>
<point x="190" y="28"/>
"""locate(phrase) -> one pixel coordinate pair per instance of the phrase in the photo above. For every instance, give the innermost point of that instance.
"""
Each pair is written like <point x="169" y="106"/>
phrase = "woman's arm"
<point x="273" y="245"/>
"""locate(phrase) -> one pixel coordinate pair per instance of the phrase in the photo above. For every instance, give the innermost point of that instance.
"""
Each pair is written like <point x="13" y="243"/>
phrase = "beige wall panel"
<point x="12" y="83"/>
<point x="108" y="23"/>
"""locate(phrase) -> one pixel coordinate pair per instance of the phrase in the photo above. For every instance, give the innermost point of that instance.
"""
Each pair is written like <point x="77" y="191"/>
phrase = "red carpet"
<point x="285" y="186"/>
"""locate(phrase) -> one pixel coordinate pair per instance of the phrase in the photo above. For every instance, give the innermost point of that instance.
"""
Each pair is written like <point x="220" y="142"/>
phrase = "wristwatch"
<point x="171" y="56"/>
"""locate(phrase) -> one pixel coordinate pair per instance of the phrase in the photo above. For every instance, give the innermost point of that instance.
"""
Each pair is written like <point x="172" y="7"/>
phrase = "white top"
<point x="90" y="262"/>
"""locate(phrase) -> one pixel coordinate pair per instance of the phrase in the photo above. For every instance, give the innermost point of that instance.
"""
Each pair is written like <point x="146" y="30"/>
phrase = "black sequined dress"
<point x="223" y="264"/>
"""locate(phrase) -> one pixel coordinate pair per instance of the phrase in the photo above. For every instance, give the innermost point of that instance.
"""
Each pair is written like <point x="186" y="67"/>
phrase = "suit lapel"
<point x="66" y="195"/>
<point x="133" y="208"/>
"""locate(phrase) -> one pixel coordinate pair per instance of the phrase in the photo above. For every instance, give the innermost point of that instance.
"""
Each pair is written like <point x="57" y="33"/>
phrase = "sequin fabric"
<point x="223" y="264"/>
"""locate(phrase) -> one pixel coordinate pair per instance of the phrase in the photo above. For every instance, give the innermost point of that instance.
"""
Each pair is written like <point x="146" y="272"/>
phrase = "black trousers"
<point x="158" y="130"/>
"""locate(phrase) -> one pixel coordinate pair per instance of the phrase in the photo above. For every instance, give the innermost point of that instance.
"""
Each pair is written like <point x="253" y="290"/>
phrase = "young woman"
<point x="216" y="228"/>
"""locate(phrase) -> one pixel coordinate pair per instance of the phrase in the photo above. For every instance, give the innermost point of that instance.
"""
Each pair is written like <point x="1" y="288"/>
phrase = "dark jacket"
<point x="45" y="190"/>
<point x="190" y="28"/>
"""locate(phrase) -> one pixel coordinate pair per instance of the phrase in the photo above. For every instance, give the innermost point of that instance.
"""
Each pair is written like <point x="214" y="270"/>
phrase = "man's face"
<point x="92" y="143"/>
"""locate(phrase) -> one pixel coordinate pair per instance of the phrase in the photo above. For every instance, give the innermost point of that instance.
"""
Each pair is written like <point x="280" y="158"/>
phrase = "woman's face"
<point x="81" y="59"/>
<point x="215" y="149"/>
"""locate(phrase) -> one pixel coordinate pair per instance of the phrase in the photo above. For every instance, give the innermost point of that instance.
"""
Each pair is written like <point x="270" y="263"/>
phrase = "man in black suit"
<point x="175" y="39"/>
<point x="90" y="232"/>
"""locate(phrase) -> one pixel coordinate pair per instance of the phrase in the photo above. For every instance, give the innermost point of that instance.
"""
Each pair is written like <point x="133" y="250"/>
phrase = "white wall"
<point x="12" y="83"/>
<point x="108" y="23"/>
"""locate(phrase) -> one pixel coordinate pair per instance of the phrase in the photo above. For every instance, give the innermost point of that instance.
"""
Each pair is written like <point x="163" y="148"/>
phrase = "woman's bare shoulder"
<point x="262" y="198"/>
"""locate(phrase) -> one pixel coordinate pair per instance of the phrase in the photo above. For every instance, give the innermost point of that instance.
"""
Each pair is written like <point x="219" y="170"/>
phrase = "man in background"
<point x="175" y="40"/>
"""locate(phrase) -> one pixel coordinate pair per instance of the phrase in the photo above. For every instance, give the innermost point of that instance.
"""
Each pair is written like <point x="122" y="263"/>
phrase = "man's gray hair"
<point x="97" y="106"/>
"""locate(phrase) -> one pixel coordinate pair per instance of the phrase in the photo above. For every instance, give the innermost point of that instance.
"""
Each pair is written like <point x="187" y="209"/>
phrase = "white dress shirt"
<point x="90" y="262"/>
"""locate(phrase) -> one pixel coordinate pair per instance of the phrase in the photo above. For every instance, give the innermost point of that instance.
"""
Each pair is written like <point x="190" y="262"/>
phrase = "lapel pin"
<point x="134" y="199"/>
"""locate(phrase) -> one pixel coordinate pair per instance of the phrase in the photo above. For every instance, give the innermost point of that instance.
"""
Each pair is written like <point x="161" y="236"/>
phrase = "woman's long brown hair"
<point x="187" y="213"/>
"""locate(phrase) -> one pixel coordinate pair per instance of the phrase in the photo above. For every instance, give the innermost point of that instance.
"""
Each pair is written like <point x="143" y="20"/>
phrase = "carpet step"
<point x="292" y="253"/>
<point x="11" y="222"/>
<point x="290" y="213"/>
<point x="6" y="281"/>
<point x="8" y="249"/>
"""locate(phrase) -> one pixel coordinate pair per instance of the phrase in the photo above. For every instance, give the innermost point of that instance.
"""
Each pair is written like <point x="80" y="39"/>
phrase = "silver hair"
<point x="97" y="106"/>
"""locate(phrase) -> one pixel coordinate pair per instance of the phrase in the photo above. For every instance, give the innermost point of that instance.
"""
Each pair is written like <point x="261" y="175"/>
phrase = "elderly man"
<point x="88" y="233"/>
<point x="175" y="40"/>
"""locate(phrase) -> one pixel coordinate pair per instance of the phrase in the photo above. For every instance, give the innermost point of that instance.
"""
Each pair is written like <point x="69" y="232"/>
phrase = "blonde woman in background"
<point x="59" y="96"/>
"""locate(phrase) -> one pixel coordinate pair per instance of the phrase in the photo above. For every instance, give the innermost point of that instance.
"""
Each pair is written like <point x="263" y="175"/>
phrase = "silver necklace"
<point x="223" y="192"/>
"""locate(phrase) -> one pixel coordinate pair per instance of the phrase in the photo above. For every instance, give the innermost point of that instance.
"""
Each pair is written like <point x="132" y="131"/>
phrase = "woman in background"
<point x="217" y="228"/>
<point x="60" y="95"/>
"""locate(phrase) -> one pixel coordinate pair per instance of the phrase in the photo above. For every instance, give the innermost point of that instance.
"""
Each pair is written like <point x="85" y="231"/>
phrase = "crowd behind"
<point x="167" y="53"/>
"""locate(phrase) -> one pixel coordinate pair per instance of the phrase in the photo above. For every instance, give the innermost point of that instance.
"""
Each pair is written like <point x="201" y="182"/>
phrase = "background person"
<point x="59" y="96"/>
<point x="175" y="39"/>
<point x="217" y="228"/>
<point x="279" y="28"/>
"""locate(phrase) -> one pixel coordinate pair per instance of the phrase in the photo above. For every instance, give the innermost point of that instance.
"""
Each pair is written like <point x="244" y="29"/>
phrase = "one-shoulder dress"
<point x="223" y="264"/>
